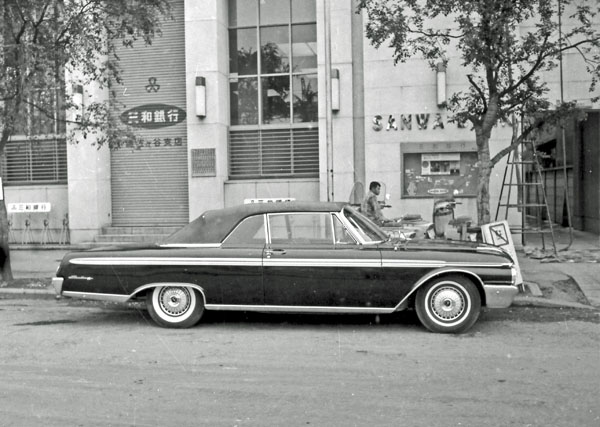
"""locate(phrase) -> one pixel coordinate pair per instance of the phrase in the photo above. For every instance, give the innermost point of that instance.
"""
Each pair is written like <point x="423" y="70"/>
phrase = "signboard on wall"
<point x="29" y="207"/>
<point x="439" y="169"/>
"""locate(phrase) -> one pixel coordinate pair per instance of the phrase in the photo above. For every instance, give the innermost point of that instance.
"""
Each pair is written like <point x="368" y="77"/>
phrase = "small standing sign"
<point x="498" y="234"/>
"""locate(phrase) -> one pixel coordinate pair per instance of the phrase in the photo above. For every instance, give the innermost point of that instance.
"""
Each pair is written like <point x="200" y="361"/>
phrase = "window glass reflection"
<point x="274" y="12"/>
<point x="304" y="11"/>
<point x="242" y="13"/>
<point x="275" y="50"/>
<point x="304" y="47"/>
<point x="305" y="98"/>
<point x="242" y="51"/>
<point x="244" y="101"/>
<point x="276" y="99"/>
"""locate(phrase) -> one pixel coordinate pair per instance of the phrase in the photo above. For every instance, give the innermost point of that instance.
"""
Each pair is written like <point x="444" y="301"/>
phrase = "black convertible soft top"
<point x="214" y="225"/>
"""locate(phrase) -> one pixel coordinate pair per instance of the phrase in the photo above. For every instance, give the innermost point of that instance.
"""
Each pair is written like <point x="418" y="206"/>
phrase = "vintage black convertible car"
<point x="299" y="257"/>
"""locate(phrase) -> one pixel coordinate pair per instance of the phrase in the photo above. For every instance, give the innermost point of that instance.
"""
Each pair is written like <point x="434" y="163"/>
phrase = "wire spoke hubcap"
<point x="448" y="303"/>
<point x="174" y="301"/>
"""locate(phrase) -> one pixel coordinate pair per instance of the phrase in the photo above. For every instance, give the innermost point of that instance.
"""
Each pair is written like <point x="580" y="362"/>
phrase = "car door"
<point x="304" y="265"/>
<point x="240" y="277"/>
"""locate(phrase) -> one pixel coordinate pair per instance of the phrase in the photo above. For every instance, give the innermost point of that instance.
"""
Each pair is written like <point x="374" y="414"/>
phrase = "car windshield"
<point x="367" y="229"/>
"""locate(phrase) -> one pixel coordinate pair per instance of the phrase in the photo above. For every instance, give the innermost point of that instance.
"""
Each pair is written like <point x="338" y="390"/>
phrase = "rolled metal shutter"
<point x="150" y="181"/>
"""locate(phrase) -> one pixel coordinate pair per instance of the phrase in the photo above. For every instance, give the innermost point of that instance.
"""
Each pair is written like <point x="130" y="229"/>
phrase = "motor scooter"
<point x="447" y="226"/>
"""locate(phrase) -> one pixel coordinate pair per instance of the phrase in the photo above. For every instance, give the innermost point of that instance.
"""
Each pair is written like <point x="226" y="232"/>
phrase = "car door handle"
<point x="274" y="252"/>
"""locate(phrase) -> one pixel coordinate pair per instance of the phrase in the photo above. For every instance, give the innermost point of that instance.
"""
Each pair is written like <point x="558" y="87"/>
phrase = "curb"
<point x="42" y="293"/>
<point x="543" y="302"/>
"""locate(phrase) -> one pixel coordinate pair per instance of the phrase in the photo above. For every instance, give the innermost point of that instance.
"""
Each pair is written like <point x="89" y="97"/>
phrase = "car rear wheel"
<point x="175" y="306"/>
<point x="449" y="304"/>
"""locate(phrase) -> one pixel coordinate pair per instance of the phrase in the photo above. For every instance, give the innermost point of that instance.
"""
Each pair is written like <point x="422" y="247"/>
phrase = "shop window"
<point x="273" y="85"/>
<point x="436" y="174"/>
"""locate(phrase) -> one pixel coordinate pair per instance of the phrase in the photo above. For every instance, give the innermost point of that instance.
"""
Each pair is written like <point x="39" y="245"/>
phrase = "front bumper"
<point x="500" y="296"/>
<point x="57" y="283"/>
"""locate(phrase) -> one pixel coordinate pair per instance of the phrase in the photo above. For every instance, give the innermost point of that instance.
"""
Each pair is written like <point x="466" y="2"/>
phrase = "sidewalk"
<point x="571" y="280"/>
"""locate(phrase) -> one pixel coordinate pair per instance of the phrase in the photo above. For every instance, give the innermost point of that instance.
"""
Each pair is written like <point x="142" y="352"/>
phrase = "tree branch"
<point x="478" y="89"/>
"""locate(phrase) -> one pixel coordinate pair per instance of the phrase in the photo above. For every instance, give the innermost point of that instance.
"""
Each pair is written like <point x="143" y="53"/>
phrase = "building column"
<point x="206" y="52"/>
<point x="88" y="169"/>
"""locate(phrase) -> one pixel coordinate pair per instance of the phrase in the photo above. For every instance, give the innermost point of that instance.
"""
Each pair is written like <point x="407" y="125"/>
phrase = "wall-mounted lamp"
<point x="200" y="96"/>
<point x="441" y="84"/>
<point x="76" y="111"/>
<point x="335" y="89"/>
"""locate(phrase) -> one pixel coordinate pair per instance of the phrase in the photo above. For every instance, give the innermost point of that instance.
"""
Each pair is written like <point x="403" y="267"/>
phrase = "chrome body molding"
<point x="57" y="283"/>
<point x="190" y="245"/>
<point x="166" y="261"/>
<point x="80" y="278"/>
<point x="176" y="284"/>
<point x="124" y="297"/>
<point x="391" y="263"/>
<point x="298" y="309"/>
<point x="280" y="262"/>
<point x="96" y="296"/>
<point x="500" y="296"/>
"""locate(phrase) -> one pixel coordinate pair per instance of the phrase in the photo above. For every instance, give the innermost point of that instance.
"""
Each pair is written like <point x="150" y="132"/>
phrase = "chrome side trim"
<point x="57" y="283"/>
<point x="281" y="262"/>
<point x="190" y="245"/>
<point x="298" y="309"/>
<point x="157" y="284"/>
<point x="439" y="264"/>
<point x="124" y="298"/>
<point x="500" y="296"/>
<point x="430" y="276"/>
<point x="166" y="261"/>
<point x="316" y="262"/>
<point x="96" y="297"/>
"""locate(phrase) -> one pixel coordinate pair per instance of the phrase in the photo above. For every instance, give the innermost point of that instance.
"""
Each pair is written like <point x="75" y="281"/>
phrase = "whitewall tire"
<point x="449" y="304"/>
<point x="175" y="306"/>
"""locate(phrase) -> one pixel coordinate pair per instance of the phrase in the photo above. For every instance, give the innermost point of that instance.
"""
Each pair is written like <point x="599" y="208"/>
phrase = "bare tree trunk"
<point x="483" y="133"/>
<point x="483" y="186"/>
<point x="5" y="268"/>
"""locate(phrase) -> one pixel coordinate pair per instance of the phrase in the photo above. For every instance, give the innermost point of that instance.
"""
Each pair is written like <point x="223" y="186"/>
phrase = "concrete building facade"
<point x="252" y="99"/>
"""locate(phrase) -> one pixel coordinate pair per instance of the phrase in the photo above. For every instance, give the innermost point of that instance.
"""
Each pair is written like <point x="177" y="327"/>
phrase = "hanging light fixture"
<point x="441" y="84"/>
<point x="335" y="89"/>
<point x="200" y="96"/>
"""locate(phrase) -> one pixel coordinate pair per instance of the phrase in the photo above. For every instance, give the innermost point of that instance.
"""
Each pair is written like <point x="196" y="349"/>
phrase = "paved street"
<point x="64" y="363"/>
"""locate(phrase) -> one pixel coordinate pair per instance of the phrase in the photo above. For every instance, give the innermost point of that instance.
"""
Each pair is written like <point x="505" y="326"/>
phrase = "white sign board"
<point x="498" y="234"/>
<point x="28" y="207"/>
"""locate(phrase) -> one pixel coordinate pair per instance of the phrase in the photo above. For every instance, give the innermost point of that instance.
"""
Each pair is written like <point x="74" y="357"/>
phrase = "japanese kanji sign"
<point x="152" y="116"/>
<point x="28" y="207"/>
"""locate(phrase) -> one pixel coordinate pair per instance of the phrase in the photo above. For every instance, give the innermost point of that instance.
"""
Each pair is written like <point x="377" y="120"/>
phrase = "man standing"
<point x="370" y="206"/>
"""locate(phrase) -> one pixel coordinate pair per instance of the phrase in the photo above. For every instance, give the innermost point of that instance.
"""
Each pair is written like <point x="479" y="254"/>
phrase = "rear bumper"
<point x="500" y="296"/>
<point x="57" y="283"/>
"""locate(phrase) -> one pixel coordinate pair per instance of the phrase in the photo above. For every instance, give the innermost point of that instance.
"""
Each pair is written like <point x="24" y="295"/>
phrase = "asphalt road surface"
<point x="81" y="364"/>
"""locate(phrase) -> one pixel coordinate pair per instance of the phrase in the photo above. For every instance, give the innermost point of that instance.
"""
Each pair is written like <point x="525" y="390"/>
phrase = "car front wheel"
<point x="175" y="306"/>
<point x="449" y="304"/>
